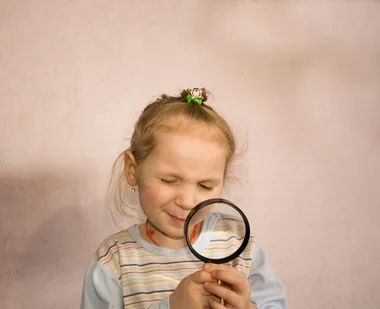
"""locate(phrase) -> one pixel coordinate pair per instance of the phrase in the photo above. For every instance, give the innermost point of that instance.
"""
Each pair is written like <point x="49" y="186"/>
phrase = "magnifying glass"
<point x="225" y="231"/>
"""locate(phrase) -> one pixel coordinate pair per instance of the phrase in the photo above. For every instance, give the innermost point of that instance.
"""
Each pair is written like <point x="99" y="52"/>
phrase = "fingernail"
<point x="207" y="266"/>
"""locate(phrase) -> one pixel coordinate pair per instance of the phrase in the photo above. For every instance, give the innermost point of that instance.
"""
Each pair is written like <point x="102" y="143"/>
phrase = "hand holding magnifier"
<point x="225" y="231"/>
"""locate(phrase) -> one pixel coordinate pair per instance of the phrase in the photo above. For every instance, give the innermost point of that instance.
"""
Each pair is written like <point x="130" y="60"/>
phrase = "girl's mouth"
<point x="177" y="220"/>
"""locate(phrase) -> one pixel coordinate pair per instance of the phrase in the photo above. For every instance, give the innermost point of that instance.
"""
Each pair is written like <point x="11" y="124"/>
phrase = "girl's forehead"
<point x="185" y="152"/>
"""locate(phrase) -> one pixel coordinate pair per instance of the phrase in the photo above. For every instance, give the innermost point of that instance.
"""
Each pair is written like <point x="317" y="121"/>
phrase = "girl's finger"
<point x="222" y="292"/>
<point x="215" y="303"/>
<point x="233" y="278"/>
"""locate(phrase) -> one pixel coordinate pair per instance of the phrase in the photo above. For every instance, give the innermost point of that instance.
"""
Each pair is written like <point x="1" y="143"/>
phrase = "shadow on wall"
<point x="44" y="239"/>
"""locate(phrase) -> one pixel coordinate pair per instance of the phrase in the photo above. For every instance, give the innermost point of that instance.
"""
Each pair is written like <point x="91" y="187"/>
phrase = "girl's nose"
<point x="186" y="198"/>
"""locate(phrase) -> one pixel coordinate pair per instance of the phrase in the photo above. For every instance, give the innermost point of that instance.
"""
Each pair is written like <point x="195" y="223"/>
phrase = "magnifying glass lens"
<point x="224" y="231"/>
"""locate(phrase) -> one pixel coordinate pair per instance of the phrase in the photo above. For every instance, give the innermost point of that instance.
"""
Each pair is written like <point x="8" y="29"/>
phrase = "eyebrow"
<point x="212" y="180"/>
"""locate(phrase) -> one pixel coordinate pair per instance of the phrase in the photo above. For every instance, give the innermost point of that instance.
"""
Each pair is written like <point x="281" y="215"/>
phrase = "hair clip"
<point x="195" y="95"/>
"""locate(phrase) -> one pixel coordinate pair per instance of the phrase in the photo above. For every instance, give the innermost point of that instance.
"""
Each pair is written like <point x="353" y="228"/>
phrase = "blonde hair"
<point x="166" y="114"/>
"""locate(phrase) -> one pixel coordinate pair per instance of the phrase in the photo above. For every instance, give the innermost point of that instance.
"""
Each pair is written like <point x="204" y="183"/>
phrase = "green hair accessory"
<point x="195" y="95"/>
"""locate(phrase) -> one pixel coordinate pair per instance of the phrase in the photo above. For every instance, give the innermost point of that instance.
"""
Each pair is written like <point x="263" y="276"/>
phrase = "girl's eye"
<point x="207" y="188"/>
<point x="168" y="181"/>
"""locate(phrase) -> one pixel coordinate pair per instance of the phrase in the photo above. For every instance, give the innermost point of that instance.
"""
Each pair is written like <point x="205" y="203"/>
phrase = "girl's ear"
<point x="130" y="167"/>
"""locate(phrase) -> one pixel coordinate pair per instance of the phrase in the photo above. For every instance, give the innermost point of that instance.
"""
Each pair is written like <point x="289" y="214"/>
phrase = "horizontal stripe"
<point x="114" y="245"/>
<point x="176" y="270"/>
<point x="139" y="280"/>
<point x="162" y="263"/>
<point x="147" y="293"/>
<point x="227" y="239"/>
<point x="144" y="301"/>
<point x="157" y="270"/>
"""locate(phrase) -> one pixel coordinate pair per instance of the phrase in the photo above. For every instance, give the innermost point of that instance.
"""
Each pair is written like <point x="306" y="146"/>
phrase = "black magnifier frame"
<point x="233" y="255"/>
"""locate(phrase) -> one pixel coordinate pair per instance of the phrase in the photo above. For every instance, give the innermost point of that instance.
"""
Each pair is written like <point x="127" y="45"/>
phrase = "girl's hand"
<point x="190" y="293"/>
<point x="234" y="290"/>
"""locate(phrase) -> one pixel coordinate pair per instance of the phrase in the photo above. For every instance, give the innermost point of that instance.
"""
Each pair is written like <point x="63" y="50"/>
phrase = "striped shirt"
<point x="128" y="272"/>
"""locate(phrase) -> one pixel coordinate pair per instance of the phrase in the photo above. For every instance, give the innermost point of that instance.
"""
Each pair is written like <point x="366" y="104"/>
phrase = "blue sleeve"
<point x="101" y="290"/>
<point x="267" y="291"/>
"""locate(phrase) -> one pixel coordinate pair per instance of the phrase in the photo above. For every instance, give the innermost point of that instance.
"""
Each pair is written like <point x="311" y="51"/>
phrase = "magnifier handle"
<point x="221" y="300"/>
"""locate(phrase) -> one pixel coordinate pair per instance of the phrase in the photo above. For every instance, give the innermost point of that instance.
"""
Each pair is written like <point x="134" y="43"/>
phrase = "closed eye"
<point x="168" y="181"/>
<point x="204" y="187"/>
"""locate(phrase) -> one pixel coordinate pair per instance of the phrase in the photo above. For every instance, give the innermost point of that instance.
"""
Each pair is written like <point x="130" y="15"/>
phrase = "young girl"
<point x="180" y="155"/>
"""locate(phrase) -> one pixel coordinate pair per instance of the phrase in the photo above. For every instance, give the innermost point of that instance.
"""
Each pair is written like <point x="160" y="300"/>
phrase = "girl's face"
<point x="181" y="172"/>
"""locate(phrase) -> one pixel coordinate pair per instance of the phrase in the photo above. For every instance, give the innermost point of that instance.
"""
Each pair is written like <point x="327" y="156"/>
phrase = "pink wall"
<point x="301" y="81"/>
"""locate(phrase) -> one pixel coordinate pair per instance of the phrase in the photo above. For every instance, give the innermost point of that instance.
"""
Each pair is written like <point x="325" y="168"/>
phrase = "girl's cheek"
<point x="157" y="192"/>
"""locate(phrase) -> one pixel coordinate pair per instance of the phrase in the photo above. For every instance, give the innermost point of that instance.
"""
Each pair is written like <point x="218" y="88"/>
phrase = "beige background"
<point x="299" y="81"/>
